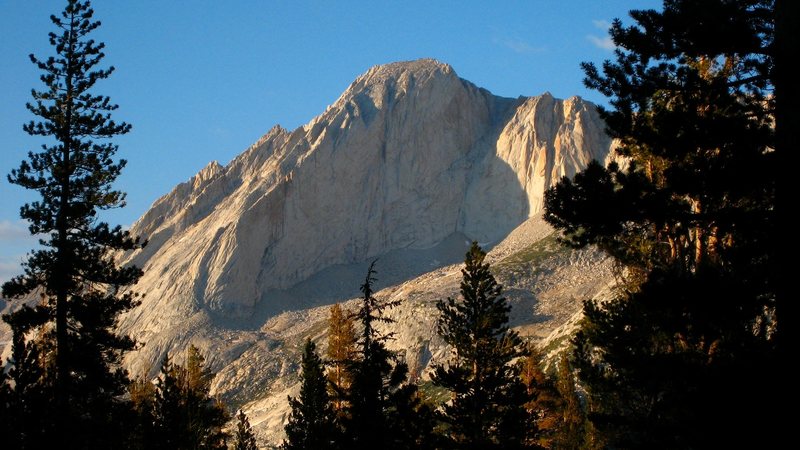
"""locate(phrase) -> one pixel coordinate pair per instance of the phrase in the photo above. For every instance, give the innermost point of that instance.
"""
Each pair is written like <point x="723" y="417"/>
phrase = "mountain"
<point x="407" y="166"/>
<point x="408" y="156"/>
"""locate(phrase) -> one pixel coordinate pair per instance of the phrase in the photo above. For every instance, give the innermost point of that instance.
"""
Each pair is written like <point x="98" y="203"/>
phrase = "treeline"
<point x="177" y="411"/>
<point x="173" y="412"/>
<point x="359" y="395"/>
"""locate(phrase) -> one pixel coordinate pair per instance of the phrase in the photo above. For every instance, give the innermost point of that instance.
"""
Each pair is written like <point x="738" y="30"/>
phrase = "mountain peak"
<point x="409" y="156"/>
<point x="208" y="172"/>
<point x="417" y="67"/>
<point x="384" y="84"/>
<point x="405" y="74"/>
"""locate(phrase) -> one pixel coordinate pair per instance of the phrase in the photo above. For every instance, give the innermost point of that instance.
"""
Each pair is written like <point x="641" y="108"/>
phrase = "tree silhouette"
<point x="311" y="423"/>
<point x="488" y="404"/>
<point x="185" y="415"/>
<point x="244" y="439"/>
<point x="691" y="223"/>
<point x="75" y="273"/>
<point x="384" y="411"/>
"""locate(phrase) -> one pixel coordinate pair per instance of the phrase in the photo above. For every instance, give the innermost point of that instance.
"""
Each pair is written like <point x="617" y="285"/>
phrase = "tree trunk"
<point x="699" y="235"/>
<point x="63" y="277"/>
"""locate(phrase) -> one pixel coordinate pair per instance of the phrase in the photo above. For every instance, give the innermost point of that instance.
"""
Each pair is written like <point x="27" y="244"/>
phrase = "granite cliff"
<point x="409" y="165"/>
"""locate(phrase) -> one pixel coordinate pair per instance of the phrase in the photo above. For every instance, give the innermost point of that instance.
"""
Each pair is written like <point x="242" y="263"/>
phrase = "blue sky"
<point x="202" y="80"/>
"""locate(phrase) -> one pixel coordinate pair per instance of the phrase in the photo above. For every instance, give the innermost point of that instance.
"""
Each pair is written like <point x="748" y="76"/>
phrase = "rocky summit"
<point x="407" y="166"/>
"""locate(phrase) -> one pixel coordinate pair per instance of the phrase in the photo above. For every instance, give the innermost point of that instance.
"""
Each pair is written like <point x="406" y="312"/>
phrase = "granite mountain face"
<point x="409" y="165"/>
<point x="407" y="157"/>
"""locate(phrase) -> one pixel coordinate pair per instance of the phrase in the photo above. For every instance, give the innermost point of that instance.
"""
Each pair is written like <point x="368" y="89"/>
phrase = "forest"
<point x="692" y="350"/>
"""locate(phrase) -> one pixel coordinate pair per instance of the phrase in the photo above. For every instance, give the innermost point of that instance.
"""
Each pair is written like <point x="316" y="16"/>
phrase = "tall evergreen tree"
<point x="373" y="375"/>
<point x="573" y="431"/>
<point x="488" y="405"/>
<point x="186" y="416"/>
<point x="691" y="221"/>
<point x="75" y="271"/>
<point x="170" y="418"/>
<point x="206" y="415"/>
<point x="142" y="435"/>
<point x="341" y="351"/>
<point x="311" y="423"/>
<point x="28" y="407"/>
<point x="383" y="411"/>
<point x="7" y="406"/>
<point x="244" y="439"/>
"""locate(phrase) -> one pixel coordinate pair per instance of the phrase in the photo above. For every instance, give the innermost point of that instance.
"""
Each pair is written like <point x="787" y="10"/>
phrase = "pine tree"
<point x="412" y="421"/>
<point x="311" y="423"/>
<point x="544" y="404"/>
<point x="244" y="439"/>
<point x="341" y="351"/>
<point x="692" y="224"/>
<point x="7" y="406"/>
<point x="372" y="373"/>
<point x="28" y="412"/>
<point x="143" y="435"/>
<point x="75" y="271"/>
<point x="206" y="415"/>
<point x="487" y="409"/>
<point x="572" y="431"/>
<point x="170" y="417"/>
<point x="186" y="416"/>
<point x="384" y="411"/>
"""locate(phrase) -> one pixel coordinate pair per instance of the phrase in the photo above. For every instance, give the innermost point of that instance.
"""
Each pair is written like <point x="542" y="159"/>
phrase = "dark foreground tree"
<point x="28" y="409"/>
<point x="79" y="283"/>
<point x="184" y="416"/>
<point x="691" y="223"/>
<point x="488" y="398"/>
<point x="142" y="433"/>
<point x="311" y="423"/>
<point x="545" y="404"/>
<point x="573" y="431"/>
<point x="244" y="439"/>
<point x="373" y="375"/>
<point x="383" y="411"/>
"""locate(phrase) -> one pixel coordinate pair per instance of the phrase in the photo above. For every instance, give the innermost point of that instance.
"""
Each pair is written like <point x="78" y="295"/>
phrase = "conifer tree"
<point x="244" y="439"/>
<point x="186" y="416"/>
<point x="75" y="272"/>
<point x="170" y="417"/>
<point x="487" y="409"/>
<point x="572" y="431"/>
<point x="341" y="351"/>
<point x="383" y="410"/>
<point x="311" y="423"/>
<point x="372" y="372"/>
<point x="206" y="415"/>
<point x="692" y="224"/>
<point x="544" y="402"/>
<point x="412" y="421"/>
<point x="29" y="409"/>
<point x="7" y="425"/>
<point x="143" y="436"/>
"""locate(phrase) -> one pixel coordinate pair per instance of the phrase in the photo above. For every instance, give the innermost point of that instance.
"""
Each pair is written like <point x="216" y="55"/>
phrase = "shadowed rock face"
<point x="408" y="165"/>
